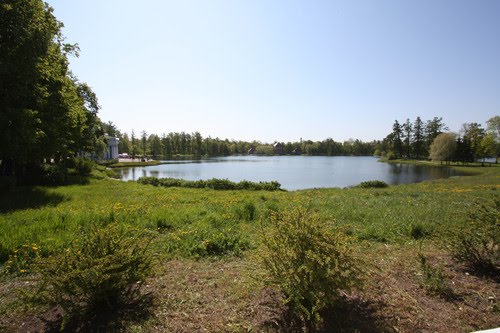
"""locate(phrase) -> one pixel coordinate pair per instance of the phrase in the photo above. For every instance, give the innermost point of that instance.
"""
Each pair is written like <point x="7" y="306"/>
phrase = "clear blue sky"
<point x="281" y="70"/>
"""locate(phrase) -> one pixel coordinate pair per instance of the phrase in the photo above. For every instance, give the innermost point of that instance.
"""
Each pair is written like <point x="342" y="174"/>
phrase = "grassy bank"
<point x="205" y="241"/>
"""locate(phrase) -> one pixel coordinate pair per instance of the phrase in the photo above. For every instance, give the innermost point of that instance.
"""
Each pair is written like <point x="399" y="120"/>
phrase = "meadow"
<point x="206" y="242"/>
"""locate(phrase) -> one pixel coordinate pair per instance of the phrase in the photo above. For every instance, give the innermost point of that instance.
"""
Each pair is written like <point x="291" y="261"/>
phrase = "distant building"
<point x="296" y="151"/>
<point x="112" y="148"/>
<point x="251" y="151"/>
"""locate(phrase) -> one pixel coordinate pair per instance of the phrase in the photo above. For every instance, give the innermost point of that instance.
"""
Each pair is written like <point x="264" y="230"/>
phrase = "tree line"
<point x="175" y="143"/>
<point x="420" y="140"/>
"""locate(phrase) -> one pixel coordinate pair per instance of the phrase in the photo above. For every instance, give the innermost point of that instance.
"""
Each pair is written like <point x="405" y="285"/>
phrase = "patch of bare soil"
<point x="230" y="296"/>
<point x="409" y="307"/>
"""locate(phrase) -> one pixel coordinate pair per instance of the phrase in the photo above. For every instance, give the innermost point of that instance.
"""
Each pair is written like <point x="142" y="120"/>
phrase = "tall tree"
<point x="443" y="147"/>
<point x="197" y="144"/>
<point x="433" y="128"/>
<point x="124" y="144"/>
<point x="397" y="142"/>
<point x="144" y="142"/>
<point x="45" y="113"/>
<point x="407" y="134"/>
<point x="134" y="147"/>
<point x="493" y="126"/>
<point x="418" y="138"/>
<point x="155" y="145"/>
<point x="474" y="133"/>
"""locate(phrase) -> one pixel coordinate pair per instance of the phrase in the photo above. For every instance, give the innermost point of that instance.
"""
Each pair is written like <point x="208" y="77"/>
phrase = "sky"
<point x="274" y="70"/>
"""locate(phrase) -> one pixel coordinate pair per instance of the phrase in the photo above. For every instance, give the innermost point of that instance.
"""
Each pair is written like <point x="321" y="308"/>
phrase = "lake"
<point x="292" y="172"/>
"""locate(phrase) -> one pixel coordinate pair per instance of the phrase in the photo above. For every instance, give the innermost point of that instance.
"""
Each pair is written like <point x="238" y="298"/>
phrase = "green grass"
<point x="51" y="216"/>
<point x="210" y="238"/>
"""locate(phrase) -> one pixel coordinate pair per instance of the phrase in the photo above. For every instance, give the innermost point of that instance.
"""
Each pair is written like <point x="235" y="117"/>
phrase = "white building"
<point x="112" y="148"/>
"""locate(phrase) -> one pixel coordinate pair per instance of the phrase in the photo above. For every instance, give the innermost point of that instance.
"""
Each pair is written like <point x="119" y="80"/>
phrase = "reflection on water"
<point x="406" y="173"/>
<point x="293" y="172"/>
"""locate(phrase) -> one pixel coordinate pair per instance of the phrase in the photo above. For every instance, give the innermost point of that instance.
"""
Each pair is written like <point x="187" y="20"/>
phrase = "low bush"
<point x="112" y="173"/>
<point x="162" y="225"/>
<point x="433" y="279"/>
<point x="390" y="156"/>
<point x="246" y="211"/>
<point x="21" y="260"/>
<point x="308" y="261"/>
<point x="102" y="270"/>
<point x="83" y="167"/>
<point x="419" y="231"/>
<point x="215" y="184"/>
<point x="54" y="174"/>
<point x="478" y="243"/>
<point x="372" y="184"/>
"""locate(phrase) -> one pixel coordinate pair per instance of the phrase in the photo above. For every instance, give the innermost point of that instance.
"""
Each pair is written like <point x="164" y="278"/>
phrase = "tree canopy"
<point x="443" y="147"/>
<point x="46" y="114"/>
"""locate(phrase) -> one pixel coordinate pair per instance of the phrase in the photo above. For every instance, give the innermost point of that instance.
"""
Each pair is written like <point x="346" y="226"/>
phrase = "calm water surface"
<point x="292" y="172"/>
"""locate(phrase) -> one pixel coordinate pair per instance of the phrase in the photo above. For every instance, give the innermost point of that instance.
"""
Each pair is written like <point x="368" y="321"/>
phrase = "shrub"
<point x="83" y="167"/>
<point x="149" y="181"/>
<point x="20" y="261"/>
<point x="308" y="261"/>
<point x="112" y="173"/>
<point x="246" y="211"/>
<point x="477" y="244"/>
<point x="163" y="225"/>
<point x="220" y="184"/>
<point x="419" y="231"/>
<point x="54" y="174"/>
<point x="390" y="156"/>
<point x="373" y="184"/>
<point x="101" y="270"/>
<point x="214" y="183"/>
<point x="434" y="280"/>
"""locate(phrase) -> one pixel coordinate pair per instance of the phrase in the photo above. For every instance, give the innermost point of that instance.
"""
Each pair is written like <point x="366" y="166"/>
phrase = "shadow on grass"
<point x="111" y="320"/>
<point x="28" y="197"/>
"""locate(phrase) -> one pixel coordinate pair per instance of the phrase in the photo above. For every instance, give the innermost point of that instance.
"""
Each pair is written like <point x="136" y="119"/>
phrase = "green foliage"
<point x="112" y="174"/>
<point x="419" y="231"/>
<point x="45" y="113"/>
<point x="207" y="239"/>
<point x="101" y="270"/>
<point x="433" y="278"/>
<point x="54" y="174"/>
<point x="162" y="225"/>
<point x="373" y="184"/>
<point x="20" y="261"/>
<point x="83" y="167"/>
<point x="478" y="243"/>
<point x="246" y="211"/>
<point x="443" y="147"/>
<point x="215" y="184"/>
<point x="309" y="261"/>
<point x="390" y="156"/>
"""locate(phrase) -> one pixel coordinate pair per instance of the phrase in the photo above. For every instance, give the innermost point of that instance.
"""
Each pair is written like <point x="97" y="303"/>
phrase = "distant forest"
<point x="155" y="146"/>
<point x="407" y="140"/>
